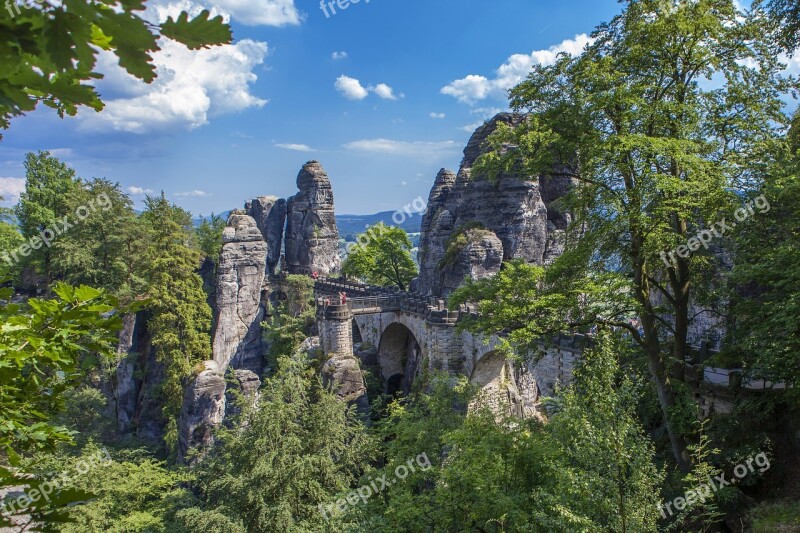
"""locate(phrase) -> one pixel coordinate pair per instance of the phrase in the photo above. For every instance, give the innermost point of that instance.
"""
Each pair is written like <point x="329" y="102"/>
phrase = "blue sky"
<point x="409" y="82"/>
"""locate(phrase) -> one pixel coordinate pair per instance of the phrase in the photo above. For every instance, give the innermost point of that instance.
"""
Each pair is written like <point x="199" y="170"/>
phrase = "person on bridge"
<point x="315" y="275"/>
<point x="343" y="297"/>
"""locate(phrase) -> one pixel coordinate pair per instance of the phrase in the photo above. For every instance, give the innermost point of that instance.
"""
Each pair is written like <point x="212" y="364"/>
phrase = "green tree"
<point x="50" y="51"/>
<point x="472" y="473"/>
<point x="43" y="207"/>
<point x="765" y="339"/>
<point x="606" y="474"/>
<point x="180" y="316"/>
<point x="10" y="241"/>
<point x="311" y="449"/>
<point x="785" y="14"/>
<point x="655" y="152"/>
<point x="382" y="257"/>
<point x="209" y="236"/>
<point x="47" y="347"/>
<point x="104" y="249"/>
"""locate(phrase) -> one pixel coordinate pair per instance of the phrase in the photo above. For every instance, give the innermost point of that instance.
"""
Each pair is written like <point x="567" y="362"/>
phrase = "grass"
<point x="777" y="517"/>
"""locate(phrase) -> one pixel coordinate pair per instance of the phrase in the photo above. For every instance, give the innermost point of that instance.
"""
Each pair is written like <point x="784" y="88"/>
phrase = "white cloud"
<point x="350" y="88"/>
<point x="60" y="152"/>
<point x="139" y="191"/>
<point x="261" y="12"/>
<point x="248" y="12"/>
<point x="296" y="147"/>
<point x="387" y="146"/>
<point x="384" y="91"/>
<point x="475" y="87"/>
<point x="192" y="194"/>
<point x="338" y="55"/>
<point x="191" y="87"/>
<point x="437" y="115"/>
<point x="470" y="128"/>
<point x="403" y="183"/>
<point x="10" y="189"/>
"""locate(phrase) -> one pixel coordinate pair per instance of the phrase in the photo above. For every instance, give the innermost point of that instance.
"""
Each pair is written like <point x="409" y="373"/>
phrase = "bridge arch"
<point x="399" y="354"/>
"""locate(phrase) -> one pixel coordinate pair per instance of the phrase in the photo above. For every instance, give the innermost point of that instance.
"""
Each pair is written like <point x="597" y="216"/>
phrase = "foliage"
<point x="181" y="317"/>
<point x="382" y="257"/>
<point x="655" y="154"/>
<point x="776" y="516"/>
<point x="516" y="301"/>
<point x="10" y="241"/>
<point x="50" y="51"/>
<point x="43" y="205"/>
<point x="766" y="301"/>
<point x="135" y="492"/>
<point x="601" y="448"/>
<point x="311" y="447"/>
<point x="481" y="475"/>
<point x="494" y="474"/>
<point x="209" y="236"/>
<point x="284" y="331"/>
<point x="785" y="14"/>
<point x="105" y="248"/>
<point x="299" y="292"/>
<point x="700" y="514"/>
<point x="46" y="347"/>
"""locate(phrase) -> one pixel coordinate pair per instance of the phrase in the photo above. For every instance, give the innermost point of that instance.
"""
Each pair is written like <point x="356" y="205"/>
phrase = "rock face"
<point x="518" y="210"/>
<point x="203" y="410"/>
<point x="342" y="374"/>
<point x="239" y="308"/>
<point x="312" y="238"/>
<point x="474" y="254"/>
<point x="269" y="212"/>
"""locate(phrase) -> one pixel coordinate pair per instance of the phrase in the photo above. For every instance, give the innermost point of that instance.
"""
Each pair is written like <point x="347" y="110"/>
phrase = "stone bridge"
<point x="409" y="334"/>
<point x="402" y="334"/>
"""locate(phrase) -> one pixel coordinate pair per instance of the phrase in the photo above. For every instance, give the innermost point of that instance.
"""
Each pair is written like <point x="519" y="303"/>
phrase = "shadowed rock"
<point x="203" y="410"/>
<point x="269" y="212"/>
<point x="518" y="209"/>
<point x="240" y="279"/>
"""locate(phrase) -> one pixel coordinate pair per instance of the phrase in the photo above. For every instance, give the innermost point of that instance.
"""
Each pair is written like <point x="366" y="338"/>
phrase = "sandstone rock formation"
<point x="239" y="308"/>
<point x="518" y="210"/>
<point x="312" y="238"/>
<point x="269" y="212"/>
<point x="342" y="374"/>
<point x="203" y="410"/>
<point x="475" y="254"/>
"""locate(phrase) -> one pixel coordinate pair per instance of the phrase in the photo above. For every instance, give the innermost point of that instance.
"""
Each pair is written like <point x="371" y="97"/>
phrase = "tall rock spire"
<point x="312" y="238"/>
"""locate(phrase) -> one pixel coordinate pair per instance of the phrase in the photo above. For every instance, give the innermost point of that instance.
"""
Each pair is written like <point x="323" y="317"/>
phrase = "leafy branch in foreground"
<point x="45" y="347"/>
<point x="48" y="52"/>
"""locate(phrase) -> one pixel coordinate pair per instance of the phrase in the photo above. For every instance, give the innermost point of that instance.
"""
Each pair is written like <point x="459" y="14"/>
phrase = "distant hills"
<point x="355" y="224"/>
<point x="352" y="225"/>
